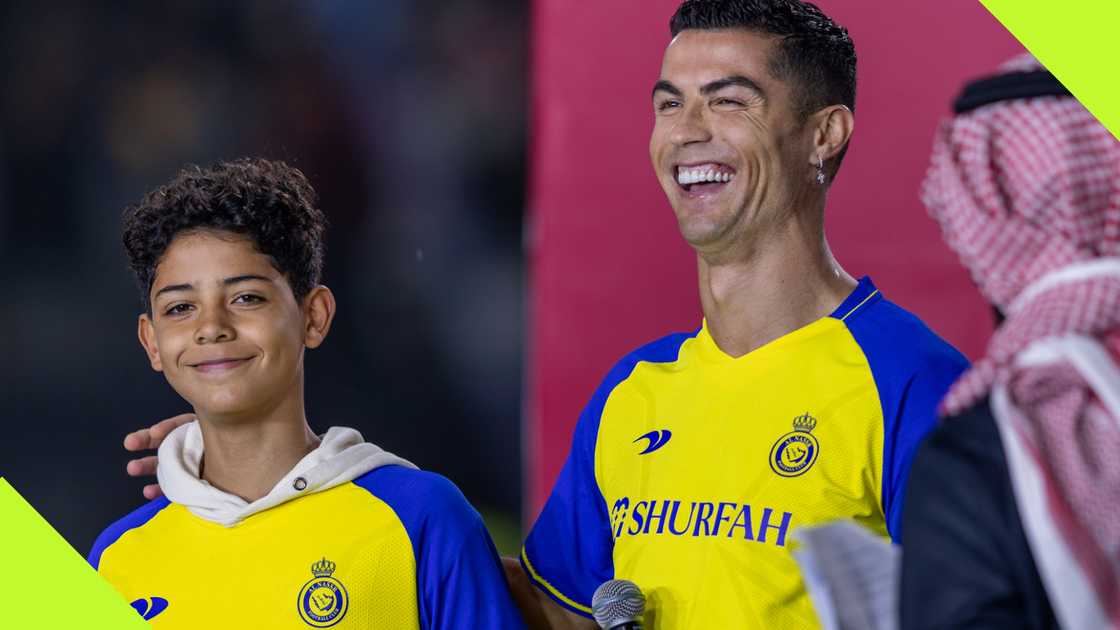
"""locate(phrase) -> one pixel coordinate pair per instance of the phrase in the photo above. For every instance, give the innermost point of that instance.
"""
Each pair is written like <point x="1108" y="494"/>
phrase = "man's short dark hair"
<point x="268" y="202"/>
<point x="815" y="55"/>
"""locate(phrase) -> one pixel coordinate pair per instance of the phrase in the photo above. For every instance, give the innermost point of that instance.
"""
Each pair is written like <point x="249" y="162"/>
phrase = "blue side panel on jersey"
<point x="913" y="369"/>
<point x="134" y="519"/>
<point x="570" y="548"/>
<point x="460" y="582"/>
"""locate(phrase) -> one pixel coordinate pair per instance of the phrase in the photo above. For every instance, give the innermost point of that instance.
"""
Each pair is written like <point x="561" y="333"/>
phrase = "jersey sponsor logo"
<point x="618" y="515"/>
<point x="150" y="607"/>
<point x="699" y="519"/>
<point x="323" y="601"/>
<point x="795" y="453"/>
<point x="657" y="439"/>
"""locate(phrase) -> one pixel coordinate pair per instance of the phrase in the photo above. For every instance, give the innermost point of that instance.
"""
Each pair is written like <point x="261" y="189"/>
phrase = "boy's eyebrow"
<point x="173" y="287"/>
<point x="244" y="278"/>
<point x="227" y="282"/>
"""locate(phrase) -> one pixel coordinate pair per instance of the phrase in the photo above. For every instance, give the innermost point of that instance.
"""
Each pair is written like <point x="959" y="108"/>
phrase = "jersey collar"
<point x="864" y="293"/>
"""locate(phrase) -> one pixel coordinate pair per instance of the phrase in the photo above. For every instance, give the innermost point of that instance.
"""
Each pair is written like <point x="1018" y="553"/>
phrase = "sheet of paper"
<point x="852" y="576"/>
<point x="817" y="586"/>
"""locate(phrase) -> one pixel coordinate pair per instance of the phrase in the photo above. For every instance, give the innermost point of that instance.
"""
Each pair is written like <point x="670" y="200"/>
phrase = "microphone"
<point x="618" y="605"/>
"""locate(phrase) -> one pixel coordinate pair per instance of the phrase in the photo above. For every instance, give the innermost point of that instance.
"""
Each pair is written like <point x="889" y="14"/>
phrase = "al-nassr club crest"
<point x="323" y="601"/>
<point x="796" y="452"/>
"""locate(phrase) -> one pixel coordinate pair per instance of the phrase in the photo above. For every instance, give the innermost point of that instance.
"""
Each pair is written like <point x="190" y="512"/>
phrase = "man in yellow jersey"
<point x="803" y="394"/>
<point x="266" y="524"/>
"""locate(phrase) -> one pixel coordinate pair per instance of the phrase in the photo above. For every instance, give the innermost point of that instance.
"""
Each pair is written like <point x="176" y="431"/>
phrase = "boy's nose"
<point x="213" y="327"/>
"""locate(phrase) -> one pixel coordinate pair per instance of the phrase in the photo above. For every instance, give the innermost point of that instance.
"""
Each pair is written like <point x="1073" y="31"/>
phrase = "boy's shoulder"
<point x="459" y="577"/>
<point x="425" y="502"/>
<point x="133" y="520"/>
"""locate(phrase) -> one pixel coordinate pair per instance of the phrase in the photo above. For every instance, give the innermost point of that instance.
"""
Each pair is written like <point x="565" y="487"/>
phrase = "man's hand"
<point x="150" y="439"/>
<point x="537" y="609"/>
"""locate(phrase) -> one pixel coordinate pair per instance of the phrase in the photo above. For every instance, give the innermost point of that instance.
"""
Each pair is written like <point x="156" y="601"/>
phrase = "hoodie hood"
<point x="341" y="456"/>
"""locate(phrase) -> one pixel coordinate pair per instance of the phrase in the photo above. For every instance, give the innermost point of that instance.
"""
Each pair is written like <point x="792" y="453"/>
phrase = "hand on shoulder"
<point x="150" y="439"/>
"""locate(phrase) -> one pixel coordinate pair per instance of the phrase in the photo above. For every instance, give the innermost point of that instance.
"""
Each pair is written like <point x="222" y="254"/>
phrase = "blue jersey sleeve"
<point x="569" y="551"/>
<point x="913" y="369"/>
<point x="136" y="518"/>
<point x="460" y="580"/>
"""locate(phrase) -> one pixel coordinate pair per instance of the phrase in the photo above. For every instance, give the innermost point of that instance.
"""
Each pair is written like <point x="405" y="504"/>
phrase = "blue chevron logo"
<point x="149" y="608"/>
<point x="657" y="439"/>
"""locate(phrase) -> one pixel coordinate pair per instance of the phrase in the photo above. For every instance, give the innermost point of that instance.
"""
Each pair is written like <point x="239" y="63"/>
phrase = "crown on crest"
<point x="323" y="568"/>
<point x="804" y="423"/>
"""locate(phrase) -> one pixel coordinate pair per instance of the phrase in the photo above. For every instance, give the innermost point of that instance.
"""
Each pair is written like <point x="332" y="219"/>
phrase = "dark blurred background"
<point x="408" y="117"/>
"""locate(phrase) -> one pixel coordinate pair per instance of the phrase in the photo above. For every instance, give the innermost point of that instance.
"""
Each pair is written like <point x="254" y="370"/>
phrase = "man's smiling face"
<point x="728" y="144"/>
<point x="225" y="329"/>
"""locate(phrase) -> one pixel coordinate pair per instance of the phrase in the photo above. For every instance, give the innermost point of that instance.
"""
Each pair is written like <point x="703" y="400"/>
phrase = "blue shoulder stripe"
<point x="912" y="368"/>
<point x="664" y="350"/>
<point x="136" y="518"/>
<point x="459" y="578"/>
<point x="403" y="489"/>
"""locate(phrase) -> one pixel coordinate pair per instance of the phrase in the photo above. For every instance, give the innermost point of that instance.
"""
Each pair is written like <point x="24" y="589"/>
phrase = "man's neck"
<point x="248" y="458"/>
<point x="786" y="281"/>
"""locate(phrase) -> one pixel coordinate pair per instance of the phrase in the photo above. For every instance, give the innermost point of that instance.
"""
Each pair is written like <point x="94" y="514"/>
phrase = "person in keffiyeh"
<point x="1013" y="510"/>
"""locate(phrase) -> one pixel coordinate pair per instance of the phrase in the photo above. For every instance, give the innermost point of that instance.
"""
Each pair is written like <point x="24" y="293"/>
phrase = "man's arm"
<point x="147" y="440"/>
<point x="538" y="609"/>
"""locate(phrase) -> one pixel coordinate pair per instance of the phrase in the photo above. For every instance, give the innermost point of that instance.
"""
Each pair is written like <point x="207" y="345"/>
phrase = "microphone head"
<point x="616" y="602"/>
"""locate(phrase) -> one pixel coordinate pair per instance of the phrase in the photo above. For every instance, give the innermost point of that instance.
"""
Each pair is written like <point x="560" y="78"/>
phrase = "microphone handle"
<point x="629" y="625"/>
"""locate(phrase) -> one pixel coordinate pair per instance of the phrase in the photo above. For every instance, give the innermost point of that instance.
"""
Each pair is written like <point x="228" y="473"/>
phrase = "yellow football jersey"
<point x="394" y="548"/>
<point x="690" y="470"/>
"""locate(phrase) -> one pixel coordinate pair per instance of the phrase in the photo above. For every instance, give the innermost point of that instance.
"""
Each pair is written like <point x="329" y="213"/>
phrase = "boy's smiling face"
<point x="226" y="329"/>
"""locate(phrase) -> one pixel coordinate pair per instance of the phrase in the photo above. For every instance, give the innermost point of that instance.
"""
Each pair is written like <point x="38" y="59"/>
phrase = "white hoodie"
<point x="341" y="456"/>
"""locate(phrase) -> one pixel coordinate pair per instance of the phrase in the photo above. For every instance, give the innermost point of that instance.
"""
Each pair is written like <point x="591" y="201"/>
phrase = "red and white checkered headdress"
<point x="1027" y="192"/>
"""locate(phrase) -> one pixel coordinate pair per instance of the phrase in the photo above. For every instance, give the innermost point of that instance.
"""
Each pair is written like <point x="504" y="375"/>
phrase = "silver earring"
<point x="820" y="170"/>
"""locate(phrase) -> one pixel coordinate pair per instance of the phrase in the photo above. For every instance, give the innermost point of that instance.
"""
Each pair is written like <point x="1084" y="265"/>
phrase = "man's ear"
<point x="146" y="331"/>
<point x="833" y="128"/>
<point x="318" y="308"/>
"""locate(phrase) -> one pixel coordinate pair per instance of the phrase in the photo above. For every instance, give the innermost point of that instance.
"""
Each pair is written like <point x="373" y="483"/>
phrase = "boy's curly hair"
<point x="269" y="202"/>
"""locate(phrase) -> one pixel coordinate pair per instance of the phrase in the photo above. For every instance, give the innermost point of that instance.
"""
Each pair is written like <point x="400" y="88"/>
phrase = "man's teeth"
<point x="686" y="176"/>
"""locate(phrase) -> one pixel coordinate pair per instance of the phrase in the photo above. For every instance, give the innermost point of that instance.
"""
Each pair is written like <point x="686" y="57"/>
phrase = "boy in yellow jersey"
<point x="802" y="395"/>
<point x="266" y="524"/>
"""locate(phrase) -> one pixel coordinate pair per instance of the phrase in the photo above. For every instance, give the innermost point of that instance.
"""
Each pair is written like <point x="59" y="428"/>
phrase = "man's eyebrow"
<point x="665" y="86"/>
<point x="226" y="282"/>
<point x="734" y="80"/>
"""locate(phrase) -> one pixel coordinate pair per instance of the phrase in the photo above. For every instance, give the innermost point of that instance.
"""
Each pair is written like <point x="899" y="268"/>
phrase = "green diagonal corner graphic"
<point x="45" y="584"/>
<point x="1075" y="40"/>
